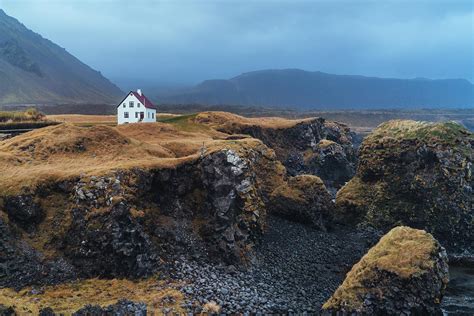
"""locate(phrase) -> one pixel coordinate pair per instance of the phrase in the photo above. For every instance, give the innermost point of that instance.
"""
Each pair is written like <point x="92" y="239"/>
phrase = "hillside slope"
<point x="310" y="90"/>
<point x="35" y="70"/>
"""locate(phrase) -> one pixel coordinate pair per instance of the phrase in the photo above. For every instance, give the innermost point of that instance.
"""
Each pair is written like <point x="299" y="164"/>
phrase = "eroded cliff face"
<point x="416" y="174"/>
<point x="128" y="223"/>
<point x="312" y="146"/>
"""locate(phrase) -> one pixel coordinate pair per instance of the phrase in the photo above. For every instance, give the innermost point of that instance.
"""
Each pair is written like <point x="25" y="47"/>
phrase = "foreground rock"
<point x="416" y="174"/>
<point x="311" y="146"/>
<point x="405" y="273"/>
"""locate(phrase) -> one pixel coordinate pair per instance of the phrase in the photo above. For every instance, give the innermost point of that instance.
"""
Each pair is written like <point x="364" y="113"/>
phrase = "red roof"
<point x="143" y="100"/>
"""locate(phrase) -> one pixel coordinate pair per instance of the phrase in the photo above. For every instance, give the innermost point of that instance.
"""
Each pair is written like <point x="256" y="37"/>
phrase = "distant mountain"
<point x="309" y="90"/>
<point x="35" y="70"/>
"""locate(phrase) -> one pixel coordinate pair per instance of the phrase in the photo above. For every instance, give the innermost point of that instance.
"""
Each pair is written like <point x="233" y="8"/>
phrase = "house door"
<point x="142" y="116"/>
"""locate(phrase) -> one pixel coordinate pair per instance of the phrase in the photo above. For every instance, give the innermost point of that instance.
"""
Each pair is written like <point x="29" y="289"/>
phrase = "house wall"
<point x="134" y="112"/>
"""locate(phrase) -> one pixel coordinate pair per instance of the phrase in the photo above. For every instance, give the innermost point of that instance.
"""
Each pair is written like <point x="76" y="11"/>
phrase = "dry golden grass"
<point x="69" y="297"/>
<point x="216" y="119"/>
<point x="324" y="143"/>
<point x="296" y="187"/>
<point x="63" y="151"/>
<point x="175" y="136"/>
<point x="211" y="308"/>
<point x="82" y="118"/>
<point x="441" y="132"/>
<point x="404" y="251"/>
<point x="94" y="119"/>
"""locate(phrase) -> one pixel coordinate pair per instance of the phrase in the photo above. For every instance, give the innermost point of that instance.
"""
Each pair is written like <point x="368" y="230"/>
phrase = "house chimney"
<point x="139" y="91"/>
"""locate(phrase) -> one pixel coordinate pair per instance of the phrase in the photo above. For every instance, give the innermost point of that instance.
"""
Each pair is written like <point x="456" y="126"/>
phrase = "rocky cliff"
<point x="311" y="146"/>
<point x="417" y="174"/>
<point x="405" y="273"/>
<point x="129" y="221"/>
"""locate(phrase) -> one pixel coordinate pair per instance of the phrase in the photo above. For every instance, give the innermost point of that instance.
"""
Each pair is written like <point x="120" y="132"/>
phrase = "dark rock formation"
<point x="303" y="198"/>
<point x="405" y="273"/>
<point x="109" y="244"/>
<point x="304" y="147"/>
<point x="21" y="265"/>
<point x="24" y="210"/>
<point x="127" y="223"/>
<point x="6" y="311"/>
<point x="122" y="308"/>
<point x="416" y="174"/>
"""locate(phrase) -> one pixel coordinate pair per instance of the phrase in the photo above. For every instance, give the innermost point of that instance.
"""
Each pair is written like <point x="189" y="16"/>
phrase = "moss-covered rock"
<point x="303" y="198"/>
<point x="417" y="174"/>
<point x="405" y="273"/>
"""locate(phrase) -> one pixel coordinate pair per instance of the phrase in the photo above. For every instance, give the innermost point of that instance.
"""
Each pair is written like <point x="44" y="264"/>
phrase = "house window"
<point x="124" y="105"/>
<point x="138" y="104"/>
<point x="136" y="114"/>
<point x="152" y="115"/>
<point x="131" y="104"/>
<point x="125" y="114"/>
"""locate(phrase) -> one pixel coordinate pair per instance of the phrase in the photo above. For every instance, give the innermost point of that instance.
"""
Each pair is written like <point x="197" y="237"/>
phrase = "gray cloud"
<point x="188" y="41"/>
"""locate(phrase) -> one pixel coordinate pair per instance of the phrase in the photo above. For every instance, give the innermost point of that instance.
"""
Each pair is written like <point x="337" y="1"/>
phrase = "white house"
<point x="135" y="108"/>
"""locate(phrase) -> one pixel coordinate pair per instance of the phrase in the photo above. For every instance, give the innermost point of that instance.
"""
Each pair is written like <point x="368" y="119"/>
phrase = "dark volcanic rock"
<point x="24" y="210"/>
<point x="122" y="308"/>
<point x="405" y="273"/>
<point x="127" y="223"/>
<point x="110" y="244"/>
<point x="301" y="147"/>
<point x="6" y="311"/>
<point x="303" y="198"/>
<point x="21" y="265"/>
<point x="416" y="174"/>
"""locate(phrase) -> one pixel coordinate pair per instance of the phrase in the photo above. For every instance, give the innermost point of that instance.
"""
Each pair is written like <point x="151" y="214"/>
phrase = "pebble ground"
<point x="296" y="270"/>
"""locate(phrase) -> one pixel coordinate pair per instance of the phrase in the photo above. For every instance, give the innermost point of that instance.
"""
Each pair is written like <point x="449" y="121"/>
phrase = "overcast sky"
<point x="189" y="41"/>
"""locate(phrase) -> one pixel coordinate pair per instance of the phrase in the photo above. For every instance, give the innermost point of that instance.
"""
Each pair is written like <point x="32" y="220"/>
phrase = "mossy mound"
<point x="303" y="198"/>
<point x="417" y="174"/>
<point x="405" y="273"/>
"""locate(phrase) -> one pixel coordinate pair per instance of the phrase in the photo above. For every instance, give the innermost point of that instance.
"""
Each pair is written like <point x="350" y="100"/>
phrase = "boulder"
<point x="417" y="174"/>
<point x="405" y="273"/>
<point x="303" y="198"/>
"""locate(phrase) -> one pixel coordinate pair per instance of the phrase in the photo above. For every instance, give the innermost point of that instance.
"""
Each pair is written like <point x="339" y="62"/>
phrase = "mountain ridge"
<point x="315" y="89"/>
<point x="35" y="70"/>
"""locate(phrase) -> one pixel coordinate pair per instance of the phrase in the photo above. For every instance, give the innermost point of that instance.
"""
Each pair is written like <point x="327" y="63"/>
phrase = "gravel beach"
<point x="297" y="269"/>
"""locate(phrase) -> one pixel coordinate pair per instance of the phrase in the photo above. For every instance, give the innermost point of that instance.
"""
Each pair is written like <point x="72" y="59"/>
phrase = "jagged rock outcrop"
<point x="405" y="273"/>
<point x="303" y="198"/>
<point x="311" y="146"/>
<point x="417" y="174"/>
<point x="109" y="244"/>
<point x="128" y="222"/>
<point x="300" y="150"/>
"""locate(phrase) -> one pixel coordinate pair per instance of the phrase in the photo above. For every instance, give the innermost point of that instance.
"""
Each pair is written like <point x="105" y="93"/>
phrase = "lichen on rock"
<point x="405" y="273"/>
